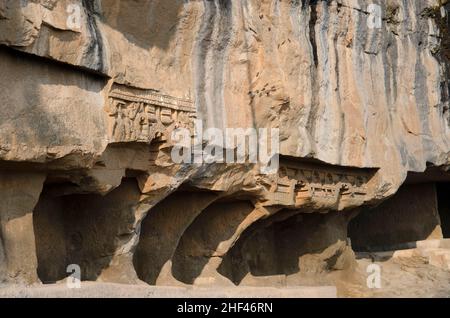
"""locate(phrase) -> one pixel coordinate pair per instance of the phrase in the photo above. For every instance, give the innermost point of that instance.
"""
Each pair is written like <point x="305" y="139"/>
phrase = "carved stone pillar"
<point x="162" y="231"/>
<point x="210" y="237"/>
<point x="19" y="193"/>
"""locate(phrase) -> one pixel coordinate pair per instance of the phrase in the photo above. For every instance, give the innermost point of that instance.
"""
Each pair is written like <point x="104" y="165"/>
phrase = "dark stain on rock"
<point x="96" y="44"/>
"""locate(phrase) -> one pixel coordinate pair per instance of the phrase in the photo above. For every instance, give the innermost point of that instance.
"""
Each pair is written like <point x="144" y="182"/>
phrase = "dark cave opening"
<point x="289" y="244"/>
<point x="82" y="229"/>
<point x="207" y="239"/>
<point x="443" y="190"/>
<point x="162" y="229"/>
<point x="408" y="216"/>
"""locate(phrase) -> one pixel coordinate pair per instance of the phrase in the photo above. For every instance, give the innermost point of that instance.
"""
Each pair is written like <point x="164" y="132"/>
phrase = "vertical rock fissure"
<point x="311" y="123"/>
<point x="96" y="43"/>
<point x="210" y="57"/>
<point x="312" y="31"/>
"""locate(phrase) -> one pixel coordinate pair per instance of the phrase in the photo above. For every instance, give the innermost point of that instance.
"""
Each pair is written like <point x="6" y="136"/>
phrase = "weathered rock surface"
<point x="20" y="194"/>
<point x="92" y="91"/>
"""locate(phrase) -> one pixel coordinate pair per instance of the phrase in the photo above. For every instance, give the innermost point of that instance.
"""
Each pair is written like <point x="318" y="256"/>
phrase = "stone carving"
<point x="282" y="193"/>
<point x="301" y="185"/>
<point x="88" y="175"/>
<point x="49" y="4"/>
<point x="143" y="115"/>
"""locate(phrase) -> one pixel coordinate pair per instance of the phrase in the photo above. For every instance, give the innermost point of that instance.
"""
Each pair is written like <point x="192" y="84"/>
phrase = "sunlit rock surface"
<point x="92" y="92"/>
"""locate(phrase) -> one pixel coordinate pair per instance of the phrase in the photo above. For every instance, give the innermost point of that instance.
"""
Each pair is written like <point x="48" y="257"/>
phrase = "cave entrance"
<point x="443" y="190"/>
<point x="411" y="215"/>
<point x="290" y="248"/>
<point x="73" y="227"/>
<point x="162" y="230"/>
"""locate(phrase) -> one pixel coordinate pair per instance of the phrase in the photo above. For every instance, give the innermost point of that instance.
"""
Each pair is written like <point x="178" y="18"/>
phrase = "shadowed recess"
<point x="303" y="243"/>
<point x="201" y="241"/>
<point x="82" y="229"/>
<point x="162" y="229"/>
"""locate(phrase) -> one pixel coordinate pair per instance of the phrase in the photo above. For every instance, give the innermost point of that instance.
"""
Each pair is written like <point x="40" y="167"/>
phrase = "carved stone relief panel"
<point x="320" y="186"/>
<point x="137" y="115"/>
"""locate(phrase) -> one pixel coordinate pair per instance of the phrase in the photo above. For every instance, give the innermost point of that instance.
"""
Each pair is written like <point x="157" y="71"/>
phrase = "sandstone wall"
<point x="91" y="91"/>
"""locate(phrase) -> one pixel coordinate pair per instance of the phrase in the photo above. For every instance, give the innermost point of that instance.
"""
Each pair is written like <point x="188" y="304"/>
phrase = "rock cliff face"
<point x="93" y="93"/>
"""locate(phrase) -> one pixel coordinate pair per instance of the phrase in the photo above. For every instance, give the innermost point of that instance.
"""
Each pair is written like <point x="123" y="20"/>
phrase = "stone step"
<point x="108" y="290"/>
<point x="441" y="243"/>
<point x="441" y="252"/>
<point x="440" y="259"/>
<point x="405" y="253"/>
<point x="427" y="252"/>
<point x="445" y="243"/>
<point x="434" y="243"/>
<point x="428" y="244"/>
<point x="436" y="251"/>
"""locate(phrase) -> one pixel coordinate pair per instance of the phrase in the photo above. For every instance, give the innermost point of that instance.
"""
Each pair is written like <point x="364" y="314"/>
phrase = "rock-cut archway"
<point x="92" y="231"/>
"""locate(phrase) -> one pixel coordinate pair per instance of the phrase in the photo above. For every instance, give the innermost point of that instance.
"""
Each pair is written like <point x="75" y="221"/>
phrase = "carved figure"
<point x="142" y="115"/>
